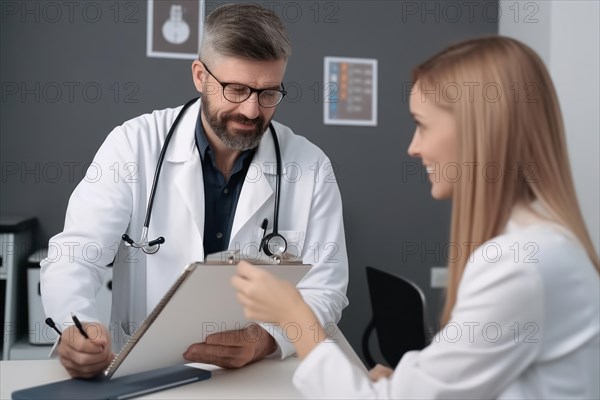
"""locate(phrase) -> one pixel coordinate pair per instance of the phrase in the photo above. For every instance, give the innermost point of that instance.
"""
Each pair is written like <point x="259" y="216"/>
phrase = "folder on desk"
<point x="103" y="388"/>
<point x="201" y="302"/>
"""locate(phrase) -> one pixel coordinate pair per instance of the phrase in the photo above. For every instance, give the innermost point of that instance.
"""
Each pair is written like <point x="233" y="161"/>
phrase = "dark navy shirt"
<point x="220" y="196"/>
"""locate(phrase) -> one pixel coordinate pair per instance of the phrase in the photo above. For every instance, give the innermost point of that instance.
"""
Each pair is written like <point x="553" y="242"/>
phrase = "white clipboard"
<point x="201" y="302"/>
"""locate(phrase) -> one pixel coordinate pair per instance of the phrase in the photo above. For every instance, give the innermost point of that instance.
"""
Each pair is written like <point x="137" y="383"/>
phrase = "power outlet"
<point x="439" y="277"/>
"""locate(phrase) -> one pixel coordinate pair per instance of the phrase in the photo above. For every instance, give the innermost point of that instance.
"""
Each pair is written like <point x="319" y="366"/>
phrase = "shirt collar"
<point x="201" y="139"/>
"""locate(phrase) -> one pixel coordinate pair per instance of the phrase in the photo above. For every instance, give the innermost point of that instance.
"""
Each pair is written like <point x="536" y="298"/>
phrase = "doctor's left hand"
<point x="233" y="349"/>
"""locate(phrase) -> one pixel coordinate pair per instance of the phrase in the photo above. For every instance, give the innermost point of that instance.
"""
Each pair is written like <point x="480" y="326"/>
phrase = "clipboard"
<point x="201" y="302"/>
<point x="101" y="387"/>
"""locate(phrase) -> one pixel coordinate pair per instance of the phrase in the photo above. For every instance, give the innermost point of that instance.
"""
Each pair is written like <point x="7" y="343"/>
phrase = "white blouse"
<point x="525" y="325"/>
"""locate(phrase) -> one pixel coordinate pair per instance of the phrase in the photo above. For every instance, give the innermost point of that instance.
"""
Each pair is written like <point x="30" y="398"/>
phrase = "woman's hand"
<point x="379" y="371"/>
<point x="270" y="299"/>
<point x="265" y="297"/>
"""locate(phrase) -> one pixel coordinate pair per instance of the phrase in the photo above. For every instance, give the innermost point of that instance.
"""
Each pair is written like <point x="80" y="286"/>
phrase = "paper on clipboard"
<point x="201" y="302"/>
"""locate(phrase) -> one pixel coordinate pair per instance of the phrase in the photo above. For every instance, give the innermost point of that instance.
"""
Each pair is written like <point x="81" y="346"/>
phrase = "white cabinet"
<point x="39" y="332"/>
<point x="15" y="247"/>
<point x="25" y="335"/>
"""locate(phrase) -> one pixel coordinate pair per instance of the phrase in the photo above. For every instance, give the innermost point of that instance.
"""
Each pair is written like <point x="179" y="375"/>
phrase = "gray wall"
<point x="46" y="140"/>
<point x="567" y="36"/>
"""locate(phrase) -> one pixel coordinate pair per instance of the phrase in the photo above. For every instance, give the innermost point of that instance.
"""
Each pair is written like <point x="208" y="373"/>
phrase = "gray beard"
<point x="235" y="140"/>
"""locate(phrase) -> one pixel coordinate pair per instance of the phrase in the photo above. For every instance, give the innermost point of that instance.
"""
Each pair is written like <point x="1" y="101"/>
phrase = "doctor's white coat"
<point x="112" y="200"/>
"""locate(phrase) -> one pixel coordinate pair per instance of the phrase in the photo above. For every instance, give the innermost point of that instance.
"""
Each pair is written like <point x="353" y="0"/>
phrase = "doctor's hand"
<point x="233" y="349"/>
<point x="85" y="358"/>
<point x="379" y="371"/>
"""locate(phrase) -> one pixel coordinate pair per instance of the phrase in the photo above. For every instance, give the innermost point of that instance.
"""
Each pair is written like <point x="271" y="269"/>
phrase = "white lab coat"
<point x="525" y="325"/>
<point x="112" y="200"/>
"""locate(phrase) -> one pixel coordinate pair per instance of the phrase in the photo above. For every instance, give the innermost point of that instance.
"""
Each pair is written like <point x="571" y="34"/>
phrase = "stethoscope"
<point x="273" y="244"/>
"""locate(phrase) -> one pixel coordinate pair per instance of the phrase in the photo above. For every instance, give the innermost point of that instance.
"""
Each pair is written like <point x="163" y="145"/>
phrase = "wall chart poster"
<point x="350" y="91"/>
<point x="174" y="28"/>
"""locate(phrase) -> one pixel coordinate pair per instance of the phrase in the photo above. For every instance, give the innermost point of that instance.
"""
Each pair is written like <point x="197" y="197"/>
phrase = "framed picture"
<point x="174" y="28"/>
<point x="350" y="91"/>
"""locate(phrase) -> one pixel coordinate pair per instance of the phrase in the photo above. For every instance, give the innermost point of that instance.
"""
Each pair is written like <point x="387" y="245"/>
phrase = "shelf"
<point x="23" y="350"/>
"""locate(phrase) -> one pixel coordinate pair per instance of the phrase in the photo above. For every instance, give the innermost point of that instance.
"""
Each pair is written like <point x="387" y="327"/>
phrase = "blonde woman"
<point x="522" y="310"/>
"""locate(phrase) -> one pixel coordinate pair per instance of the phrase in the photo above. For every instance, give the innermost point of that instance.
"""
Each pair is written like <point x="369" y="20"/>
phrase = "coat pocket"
<point x="295" y="244"/>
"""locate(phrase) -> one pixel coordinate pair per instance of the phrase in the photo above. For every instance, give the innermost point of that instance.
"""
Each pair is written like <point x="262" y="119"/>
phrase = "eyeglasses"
<point x="238" y="93"/>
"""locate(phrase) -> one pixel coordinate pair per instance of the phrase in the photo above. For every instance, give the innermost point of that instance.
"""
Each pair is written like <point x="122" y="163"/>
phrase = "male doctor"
<point x="216" y="187"/>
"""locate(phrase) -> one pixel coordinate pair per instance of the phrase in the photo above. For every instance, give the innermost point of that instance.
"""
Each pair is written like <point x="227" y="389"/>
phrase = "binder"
<point x="201" y="302"/>
<point x="103" y="388"/>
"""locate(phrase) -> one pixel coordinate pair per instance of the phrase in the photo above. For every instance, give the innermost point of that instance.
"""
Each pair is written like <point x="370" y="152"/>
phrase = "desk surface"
<point x="266" y="379"/>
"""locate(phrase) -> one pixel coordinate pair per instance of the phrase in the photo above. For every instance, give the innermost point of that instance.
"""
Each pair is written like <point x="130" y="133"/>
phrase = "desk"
<point x="266" y="379"/>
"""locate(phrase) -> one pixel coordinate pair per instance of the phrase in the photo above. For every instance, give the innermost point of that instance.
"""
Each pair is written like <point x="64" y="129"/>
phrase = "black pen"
<point x="79" y="326"/>
<point x="263" y="226"/>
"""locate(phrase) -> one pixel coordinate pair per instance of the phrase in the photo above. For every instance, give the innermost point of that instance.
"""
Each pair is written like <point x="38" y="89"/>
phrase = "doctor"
<point x="217" y="186"/>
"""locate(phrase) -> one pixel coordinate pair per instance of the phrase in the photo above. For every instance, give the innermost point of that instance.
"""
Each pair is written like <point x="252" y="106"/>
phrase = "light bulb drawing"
<point x="175" y="30"/>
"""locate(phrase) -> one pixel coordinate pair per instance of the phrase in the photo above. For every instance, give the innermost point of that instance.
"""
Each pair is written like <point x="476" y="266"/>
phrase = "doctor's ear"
<point x="198" y="74"/>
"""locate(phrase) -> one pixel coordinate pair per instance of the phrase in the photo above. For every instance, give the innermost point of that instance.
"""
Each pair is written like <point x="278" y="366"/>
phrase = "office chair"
<point x="398" y="308"/>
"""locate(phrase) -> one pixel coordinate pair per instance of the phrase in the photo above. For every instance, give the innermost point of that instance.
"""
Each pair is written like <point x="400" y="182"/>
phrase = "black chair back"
<point x="398" y="308"/>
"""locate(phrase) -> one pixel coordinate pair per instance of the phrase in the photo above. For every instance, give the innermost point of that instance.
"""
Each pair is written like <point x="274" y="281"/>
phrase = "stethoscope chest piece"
<point x="274" y="244"/>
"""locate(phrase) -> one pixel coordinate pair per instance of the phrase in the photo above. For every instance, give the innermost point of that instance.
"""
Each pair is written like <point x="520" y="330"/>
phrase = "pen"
<point x="51" y="324"/>
<point x="263" y="226"/>
<point x="79" y="326"/>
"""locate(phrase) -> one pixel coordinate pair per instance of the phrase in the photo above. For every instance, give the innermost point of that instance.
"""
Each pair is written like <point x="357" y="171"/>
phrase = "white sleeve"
<point x="493" y="335"/>
<point x="98" y="213"/>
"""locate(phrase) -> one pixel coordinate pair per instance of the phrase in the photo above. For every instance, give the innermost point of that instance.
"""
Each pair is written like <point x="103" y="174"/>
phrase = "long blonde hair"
<point x="511" y="134"/>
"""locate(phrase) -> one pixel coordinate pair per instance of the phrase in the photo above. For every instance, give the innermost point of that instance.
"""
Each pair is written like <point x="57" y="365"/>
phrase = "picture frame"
<point x="350" y="91"/>
<point x="174" y="28"/>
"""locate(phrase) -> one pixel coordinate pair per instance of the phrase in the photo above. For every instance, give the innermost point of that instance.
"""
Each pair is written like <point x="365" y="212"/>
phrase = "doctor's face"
<point x="434" y="142"/>
<point x="239" y="126"/>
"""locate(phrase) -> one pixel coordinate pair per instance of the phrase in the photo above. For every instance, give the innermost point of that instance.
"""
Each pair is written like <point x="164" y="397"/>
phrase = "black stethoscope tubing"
<point x="269" y="244"/>
<point x="161" y="158"/>
<point x="275" y="244"/>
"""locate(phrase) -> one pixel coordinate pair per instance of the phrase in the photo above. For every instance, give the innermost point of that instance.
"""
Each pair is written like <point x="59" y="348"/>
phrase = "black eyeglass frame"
<point x="252" y="90"/>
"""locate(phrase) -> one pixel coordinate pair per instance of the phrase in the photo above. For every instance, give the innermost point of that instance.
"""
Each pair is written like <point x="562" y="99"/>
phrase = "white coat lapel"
<point x="256" y="189"/>
<point x="182" y="157"/>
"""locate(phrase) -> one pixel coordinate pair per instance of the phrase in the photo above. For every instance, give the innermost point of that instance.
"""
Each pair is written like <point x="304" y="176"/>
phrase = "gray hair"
<point x="246" y="31"/>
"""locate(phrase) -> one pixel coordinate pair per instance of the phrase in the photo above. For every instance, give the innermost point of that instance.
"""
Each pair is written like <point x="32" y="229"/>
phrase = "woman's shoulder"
<point x="532" y="262"/>
<point x="543" y="246"/>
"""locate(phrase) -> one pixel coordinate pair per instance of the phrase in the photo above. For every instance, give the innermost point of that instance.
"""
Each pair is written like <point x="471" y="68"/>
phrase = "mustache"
<point x="243" y="120"/>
